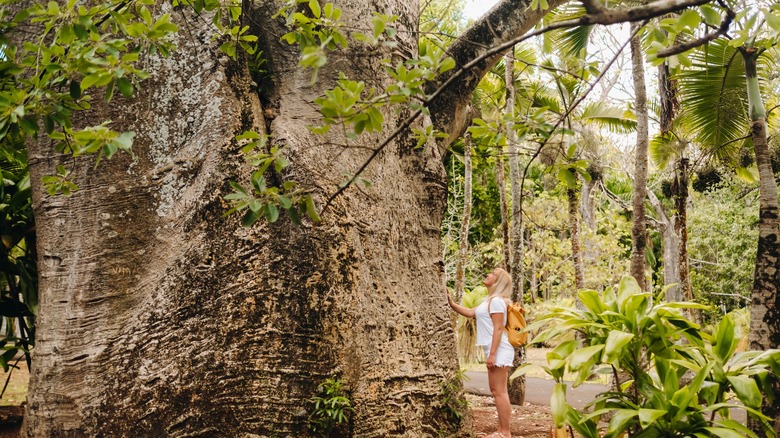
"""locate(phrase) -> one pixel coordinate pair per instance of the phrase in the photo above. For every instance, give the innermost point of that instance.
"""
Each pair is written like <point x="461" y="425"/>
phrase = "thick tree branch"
<point x="482" y="45"/>
<point x="505" y="25"/>
<point x="476" y="48"/>
<point x="680" y="48"/>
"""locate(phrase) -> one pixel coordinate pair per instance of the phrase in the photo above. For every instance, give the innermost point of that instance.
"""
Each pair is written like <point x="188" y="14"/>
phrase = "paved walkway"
<point x="538" y="392"/>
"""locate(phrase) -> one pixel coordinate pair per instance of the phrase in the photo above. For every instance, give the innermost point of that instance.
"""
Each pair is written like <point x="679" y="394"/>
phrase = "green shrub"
<point x="671" y="377"/>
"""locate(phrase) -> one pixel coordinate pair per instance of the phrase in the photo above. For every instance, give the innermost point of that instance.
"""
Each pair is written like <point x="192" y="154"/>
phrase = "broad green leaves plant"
<point x="18" y="272"/>
<point x="673" y="379"/>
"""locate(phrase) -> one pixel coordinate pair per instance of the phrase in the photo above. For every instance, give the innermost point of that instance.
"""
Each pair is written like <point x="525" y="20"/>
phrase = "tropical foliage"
<point x="671" y="376"/>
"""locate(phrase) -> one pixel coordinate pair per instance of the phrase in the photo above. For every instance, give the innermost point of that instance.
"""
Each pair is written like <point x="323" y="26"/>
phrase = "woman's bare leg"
<point x="497" y="379"/>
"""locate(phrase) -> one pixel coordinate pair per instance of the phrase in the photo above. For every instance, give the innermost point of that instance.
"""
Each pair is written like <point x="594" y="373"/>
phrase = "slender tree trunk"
<point x="516" y="184"/>
<point x="765" y="301"/>
<point x="680" y="190"/>
<point x="463" y="249"/>
<point x="671" y="249"/>
<point x="576" y="245"/>
<point x="516" y="386"/>
<point x="504" y="205"/>
<point x="587" y="207"/>
<point x="161" y="317"/>
<point x="639" y="227"/>
<point x="676" y="254"/>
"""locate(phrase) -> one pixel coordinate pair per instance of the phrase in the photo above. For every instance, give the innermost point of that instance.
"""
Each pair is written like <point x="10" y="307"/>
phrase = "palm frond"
<point x="568" y="42"/>
<point x="611" y="117"/>
<point x="713" y="95"/>
<point x="662" y="148"/>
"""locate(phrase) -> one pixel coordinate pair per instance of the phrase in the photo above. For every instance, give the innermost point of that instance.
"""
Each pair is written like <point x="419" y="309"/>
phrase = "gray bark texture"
<point x="638" y="227"/>
<point x="670" y="244"/>
<point x="576" y="244"/>
<point x="159" y="316"/>
<point x="465" y="220"/>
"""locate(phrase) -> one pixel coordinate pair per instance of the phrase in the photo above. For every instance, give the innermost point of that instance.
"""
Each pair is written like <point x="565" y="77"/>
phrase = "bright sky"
<point x="475" y="8"/>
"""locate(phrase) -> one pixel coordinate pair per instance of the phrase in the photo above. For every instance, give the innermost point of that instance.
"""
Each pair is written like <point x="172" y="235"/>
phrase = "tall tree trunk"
<point x="765" y="302"/>
<point x="463" y="248"/>
<point x="676" y="256"/>
<point x="160" y="316"/>
<point x="576" y="245"/>
<point x="504" y="205"/>
<point x="680" y="190"/>
<point x="516" y="386"/>
<point x="587" y="207"/>
<point x="516" y="183"/>
<point x="671" y="250"/>
<point x="639" y="227"/>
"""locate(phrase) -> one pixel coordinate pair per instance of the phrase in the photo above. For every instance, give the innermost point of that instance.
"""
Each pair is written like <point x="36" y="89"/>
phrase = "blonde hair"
<point x="502" y="288"/>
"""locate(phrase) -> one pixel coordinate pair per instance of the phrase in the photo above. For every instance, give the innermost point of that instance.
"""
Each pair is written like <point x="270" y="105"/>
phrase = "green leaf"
<point x="591" y="300"/>
<point x="250" y="217"/>
<point x="311" y="209"/>
<point x="271" y="213"/>
<point x="620" y="420"/>
<point x="125" y="87"/>
<point x="747" y="390"/>
<point x="567" y="177"/>
<point x="689" y="18"/>
<point x="447" y="64"/>
<point x="75" y="89"/>
<point x="648" y="416"/>
<point x="616" y="341"/>
<point x="772" y="20"/>
<point x="558" y="405"/>
<point x="722" y="432"/>
<point x="583" y="356"/>
<point x="314" y="5"/>
<point x="711" y="16"/>
<point x="725" y="343"/>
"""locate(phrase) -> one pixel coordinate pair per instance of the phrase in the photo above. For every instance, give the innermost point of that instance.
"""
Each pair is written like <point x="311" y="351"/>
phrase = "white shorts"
<point x="505" y="356"/>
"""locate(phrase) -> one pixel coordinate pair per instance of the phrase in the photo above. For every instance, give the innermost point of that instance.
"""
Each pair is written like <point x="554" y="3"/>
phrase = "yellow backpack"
<point x="515" y="323"/>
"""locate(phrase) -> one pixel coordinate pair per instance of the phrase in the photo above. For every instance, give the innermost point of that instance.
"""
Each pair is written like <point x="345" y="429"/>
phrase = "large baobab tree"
<point x="161" y="316"/>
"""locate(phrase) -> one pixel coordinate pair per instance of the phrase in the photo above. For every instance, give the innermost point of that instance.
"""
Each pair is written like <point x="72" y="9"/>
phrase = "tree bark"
<point x="765" y="302"/>
<point x="639" y="228"/>
<point x="680" y="190"/>
<point x="504" y="205"/>
<point x="574" y="234"/>
<point x="516" y="185"/>
<point x="463" y="249"/>
<point x="516" y="386"/>
<point x="505" y="21"/>
<point x="160" y="316"/>
<point x="671" y="250"/>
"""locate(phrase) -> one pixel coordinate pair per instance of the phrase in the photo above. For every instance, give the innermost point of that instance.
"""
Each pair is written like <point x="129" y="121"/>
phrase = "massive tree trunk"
<point x="161" y="316"/>
<point x="639" y="228"/>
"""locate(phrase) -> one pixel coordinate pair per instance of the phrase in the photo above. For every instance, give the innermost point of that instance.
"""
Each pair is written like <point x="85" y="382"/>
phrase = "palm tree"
<point x="722" y="99"/>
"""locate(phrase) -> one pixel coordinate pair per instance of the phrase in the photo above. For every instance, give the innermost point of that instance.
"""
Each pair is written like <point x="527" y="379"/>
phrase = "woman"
<point x="491" y="336"/>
